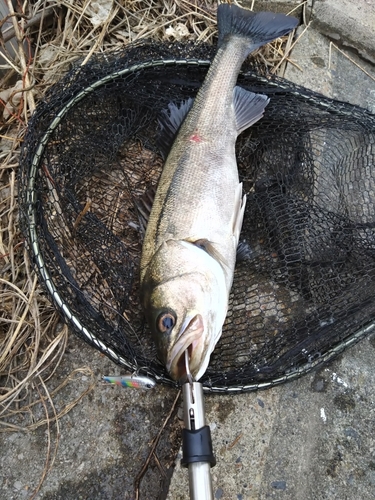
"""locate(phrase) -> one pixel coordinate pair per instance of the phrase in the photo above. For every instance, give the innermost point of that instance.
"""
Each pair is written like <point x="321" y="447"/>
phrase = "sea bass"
<point x="189" y="248"/>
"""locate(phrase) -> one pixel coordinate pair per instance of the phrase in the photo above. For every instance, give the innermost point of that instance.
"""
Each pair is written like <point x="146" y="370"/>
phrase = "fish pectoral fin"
<point x="170" y="121"/>
<point x="209" y="248"/>
<point x="238" y="214"/>
<point x="248" y="107"/>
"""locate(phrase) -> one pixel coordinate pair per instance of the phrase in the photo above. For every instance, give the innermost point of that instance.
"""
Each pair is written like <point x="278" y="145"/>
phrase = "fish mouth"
<point x="190" y="340"/>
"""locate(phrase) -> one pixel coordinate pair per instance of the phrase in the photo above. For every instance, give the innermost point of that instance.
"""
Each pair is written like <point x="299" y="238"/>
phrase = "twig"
<point x="37" y="19"/>
<point x="284" y="60"/>
<point x="49" y="461"/>
<point x="11" y="63"/>
<point x="83" y="212"/>
<point x="290" y="49"/>
<point x="160" y="467"/>
<point x="41" y="17"/>
<point x="19" y="326"/>
<point x="235" y="441"/>
<point x="12" y="208"/>
<point x="21" y="54"/>
<point x="302" y="4"/>
<point x="348" y="57"/>
<point x="9" y="138"/>
<point x="155" y="442"/>
<point x="103" y="32"/>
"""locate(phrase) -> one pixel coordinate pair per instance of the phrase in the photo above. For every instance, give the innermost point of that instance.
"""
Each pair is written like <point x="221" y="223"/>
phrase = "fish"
<point x="189" y="247"/>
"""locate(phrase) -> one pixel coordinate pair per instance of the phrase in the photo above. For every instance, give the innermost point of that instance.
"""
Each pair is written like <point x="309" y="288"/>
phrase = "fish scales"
<point x="206" y="142"/>
<point x="189" y="249"/>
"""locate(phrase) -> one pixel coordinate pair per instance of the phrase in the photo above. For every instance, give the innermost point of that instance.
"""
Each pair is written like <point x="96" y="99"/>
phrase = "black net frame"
<point x="306" y="290"/>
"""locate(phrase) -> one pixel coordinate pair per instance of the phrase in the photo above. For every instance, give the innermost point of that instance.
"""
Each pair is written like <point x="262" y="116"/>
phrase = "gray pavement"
<point x="313" y="438"/>
<point x="309" y="439"/>
<point x="347" y="22"/>
<point x="103" y="442"/>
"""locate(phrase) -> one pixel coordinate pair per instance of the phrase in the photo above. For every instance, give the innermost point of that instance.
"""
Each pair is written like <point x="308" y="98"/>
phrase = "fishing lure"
<point x="136" y="381"/>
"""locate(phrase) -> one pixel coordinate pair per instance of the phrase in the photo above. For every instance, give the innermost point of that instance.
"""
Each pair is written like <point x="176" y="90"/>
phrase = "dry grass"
<point x="43" y="38"/>
<point x="31" y="338"/>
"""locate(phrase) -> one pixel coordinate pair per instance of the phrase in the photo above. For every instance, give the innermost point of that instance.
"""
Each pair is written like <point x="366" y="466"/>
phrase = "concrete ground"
<point x="313" y="438"/>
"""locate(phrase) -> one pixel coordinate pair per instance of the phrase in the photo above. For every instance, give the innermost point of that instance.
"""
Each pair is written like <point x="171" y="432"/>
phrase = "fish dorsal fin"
<point x="248" y="107"/>
<point x="170" y="121"/>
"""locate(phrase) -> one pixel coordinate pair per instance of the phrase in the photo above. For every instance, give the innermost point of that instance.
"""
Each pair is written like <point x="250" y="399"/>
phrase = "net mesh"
<point x="306" y="290"/>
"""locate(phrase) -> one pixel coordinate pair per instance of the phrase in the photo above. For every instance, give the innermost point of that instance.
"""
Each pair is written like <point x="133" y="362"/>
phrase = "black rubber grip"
<point x="197" y="446"/>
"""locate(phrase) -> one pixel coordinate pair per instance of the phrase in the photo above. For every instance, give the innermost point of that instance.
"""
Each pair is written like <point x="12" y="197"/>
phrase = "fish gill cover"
<point x="306" y="289"/>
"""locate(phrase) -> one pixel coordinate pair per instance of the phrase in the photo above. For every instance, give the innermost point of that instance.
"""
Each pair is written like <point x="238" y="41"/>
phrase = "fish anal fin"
<point x="244" y="252"/>
<point x="143" y="204"/>
<point x="170" y="122"/>
<point x="248" y="107"/>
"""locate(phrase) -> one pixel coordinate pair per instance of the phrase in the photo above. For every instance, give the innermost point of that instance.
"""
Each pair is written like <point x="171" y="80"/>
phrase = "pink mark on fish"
<point x="196" y="138"/>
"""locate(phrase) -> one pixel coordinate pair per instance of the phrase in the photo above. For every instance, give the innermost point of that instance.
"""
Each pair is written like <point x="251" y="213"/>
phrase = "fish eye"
<point x="165" y="322"/>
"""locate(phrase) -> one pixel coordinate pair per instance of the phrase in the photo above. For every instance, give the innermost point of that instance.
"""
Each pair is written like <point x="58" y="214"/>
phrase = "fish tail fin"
<point x="258" y="28"/>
